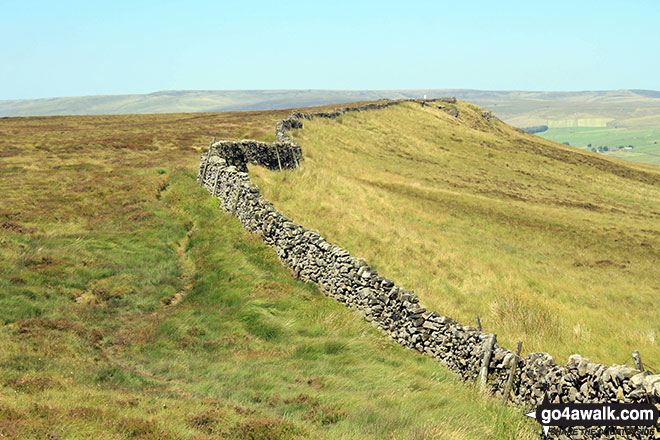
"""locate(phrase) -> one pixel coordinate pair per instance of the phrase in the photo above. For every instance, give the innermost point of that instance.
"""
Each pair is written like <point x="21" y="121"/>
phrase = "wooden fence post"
<point x="277" y="151"/>
<point x="509" y="381"/>
<point x="637" y="359"/>
<point x="479" y="324"/>
<point x="215" y="184"/>
<point x="489" y="344"/>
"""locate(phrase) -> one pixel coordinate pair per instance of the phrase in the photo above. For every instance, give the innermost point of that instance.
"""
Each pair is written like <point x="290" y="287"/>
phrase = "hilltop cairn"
<point x="394" y="309"/>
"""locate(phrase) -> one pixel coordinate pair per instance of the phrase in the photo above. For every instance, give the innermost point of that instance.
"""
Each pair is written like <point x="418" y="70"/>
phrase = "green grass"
<point x="547" y="244"/>
<point x="646" y="142"/>
<point x="103" y="225"/>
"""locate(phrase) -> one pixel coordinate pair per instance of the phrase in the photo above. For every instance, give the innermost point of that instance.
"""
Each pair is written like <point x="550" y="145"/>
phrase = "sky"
<point x="77" y="48"/>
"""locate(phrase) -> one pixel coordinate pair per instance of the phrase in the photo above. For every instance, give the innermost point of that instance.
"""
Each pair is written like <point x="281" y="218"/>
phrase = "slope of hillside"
<point x="548" y="245"/>
<point x="131" y="307"/>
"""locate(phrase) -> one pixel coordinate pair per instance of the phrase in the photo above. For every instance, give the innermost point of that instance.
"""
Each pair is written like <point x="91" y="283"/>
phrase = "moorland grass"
<point x="547" y="244"/>
<point x="132" y="307"/>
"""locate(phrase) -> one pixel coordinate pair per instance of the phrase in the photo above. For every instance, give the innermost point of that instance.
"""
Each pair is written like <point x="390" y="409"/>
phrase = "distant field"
<point x="646" y="142"/>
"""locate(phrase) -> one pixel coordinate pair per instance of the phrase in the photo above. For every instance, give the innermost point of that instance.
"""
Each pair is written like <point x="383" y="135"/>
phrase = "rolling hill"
<point x="547" y="244"/>
<point x="519" y="108"/>
<point x="132" y="307"/>
<point x="175" y="101"/>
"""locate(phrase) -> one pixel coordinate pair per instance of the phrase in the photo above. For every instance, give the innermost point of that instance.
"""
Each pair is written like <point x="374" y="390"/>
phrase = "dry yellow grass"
<point x="102" y="224"/>
<point x="549" y="245"/>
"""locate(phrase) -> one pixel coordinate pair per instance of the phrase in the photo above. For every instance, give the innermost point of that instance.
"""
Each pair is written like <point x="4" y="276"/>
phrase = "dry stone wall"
<point x="392" y="308"/>
<point x="277" y="155"/>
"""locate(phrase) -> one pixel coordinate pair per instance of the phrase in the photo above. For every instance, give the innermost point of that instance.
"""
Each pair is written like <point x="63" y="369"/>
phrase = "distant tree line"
<point x="536" y="129"/>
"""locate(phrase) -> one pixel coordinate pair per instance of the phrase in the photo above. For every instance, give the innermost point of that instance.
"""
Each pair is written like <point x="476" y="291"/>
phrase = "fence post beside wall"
<point x="489" y="344"/>
<point x="215" y="184"/>
<point x="277" y="151"/>
<point x="201" y="179"/>
<point x="514" y="365"/>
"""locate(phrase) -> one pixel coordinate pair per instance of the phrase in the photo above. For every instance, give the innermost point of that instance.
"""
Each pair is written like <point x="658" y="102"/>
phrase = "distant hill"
<point x="176" y="101"/>
<point x="519" y="108"/>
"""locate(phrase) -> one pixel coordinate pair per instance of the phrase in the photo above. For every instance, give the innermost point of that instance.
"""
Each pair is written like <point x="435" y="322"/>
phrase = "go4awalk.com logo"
<point x="622" y="415"/>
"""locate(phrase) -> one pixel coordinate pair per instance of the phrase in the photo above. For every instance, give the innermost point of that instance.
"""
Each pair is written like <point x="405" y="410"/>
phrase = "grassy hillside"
<point x="547" y="244"/>
<point x="131" y="307"/>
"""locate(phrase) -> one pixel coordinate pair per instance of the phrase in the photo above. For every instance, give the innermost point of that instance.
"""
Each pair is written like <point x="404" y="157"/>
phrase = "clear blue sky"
<point x="72" y="48"/>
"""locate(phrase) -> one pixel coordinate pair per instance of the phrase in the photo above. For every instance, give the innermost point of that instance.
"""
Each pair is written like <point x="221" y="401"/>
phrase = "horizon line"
<point x="324" y="90"/>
